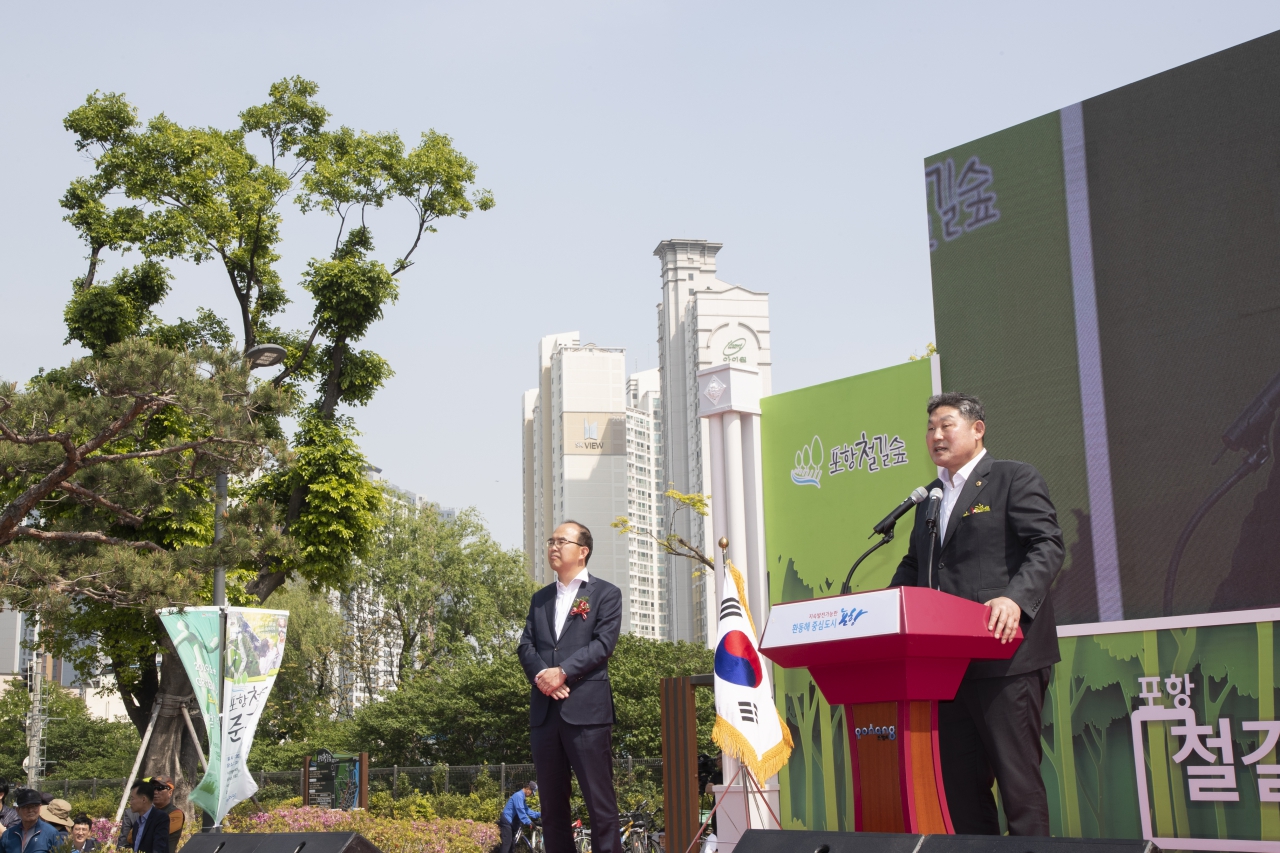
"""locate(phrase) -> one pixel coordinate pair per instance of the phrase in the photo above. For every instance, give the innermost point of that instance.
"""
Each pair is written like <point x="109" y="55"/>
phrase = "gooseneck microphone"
<point x="899" y="511"/>
<point x="931" y="510"/>
<point x="885" y="529"/>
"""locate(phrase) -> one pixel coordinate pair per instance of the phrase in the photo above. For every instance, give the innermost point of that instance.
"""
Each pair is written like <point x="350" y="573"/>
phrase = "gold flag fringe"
<point x="741" y="586"/>
<point x="733" y="742"/>
<point x="726" y="735"/>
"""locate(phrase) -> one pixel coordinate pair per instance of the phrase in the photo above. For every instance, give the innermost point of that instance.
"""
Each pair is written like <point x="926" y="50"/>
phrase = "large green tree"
<point x="209" y="195"/>
<point x="107" y="465"/>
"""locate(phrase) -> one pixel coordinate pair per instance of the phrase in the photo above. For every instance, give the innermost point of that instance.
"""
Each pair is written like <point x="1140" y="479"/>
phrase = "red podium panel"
<point x="889" y="656"/>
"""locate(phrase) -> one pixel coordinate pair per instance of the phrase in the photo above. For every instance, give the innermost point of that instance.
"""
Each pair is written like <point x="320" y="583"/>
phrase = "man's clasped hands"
<point x="551" y="681"/>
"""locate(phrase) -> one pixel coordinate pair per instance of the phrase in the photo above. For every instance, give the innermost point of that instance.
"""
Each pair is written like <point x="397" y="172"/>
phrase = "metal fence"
<point x="400" y="781"/>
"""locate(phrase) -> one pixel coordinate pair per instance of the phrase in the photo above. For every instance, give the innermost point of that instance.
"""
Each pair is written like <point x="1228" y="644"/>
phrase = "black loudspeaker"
<point x="803" y="841"/>
<point x="279" y="842"/>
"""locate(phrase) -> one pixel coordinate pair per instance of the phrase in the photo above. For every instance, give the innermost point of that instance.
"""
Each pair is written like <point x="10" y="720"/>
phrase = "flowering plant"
<point x="442" y="835"/>
<point x="581" y="607"/>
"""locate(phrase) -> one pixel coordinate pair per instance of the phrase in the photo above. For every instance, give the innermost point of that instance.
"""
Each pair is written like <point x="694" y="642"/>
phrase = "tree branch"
<point x="98" y="500"/>
<point x="83" y="536"/>
<point x="297" y="364"/>
<point x="404" y="263"/>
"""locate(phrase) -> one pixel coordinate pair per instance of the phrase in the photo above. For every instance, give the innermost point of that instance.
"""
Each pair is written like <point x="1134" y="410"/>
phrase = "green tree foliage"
<point x="210" y="195"/>
<point x="104" y="467"/>
<point x="307" y="693"/>
<point x="636" y="670"/>
<point x="78" y="746"/>
<point x="446" y="585"/>
<point x="473" y="710"/>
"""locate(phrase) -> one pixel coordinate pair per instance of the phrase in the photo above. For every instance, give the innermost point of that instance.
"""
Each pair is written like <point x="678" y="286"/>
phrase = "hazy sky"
<point x="793" y="133"/>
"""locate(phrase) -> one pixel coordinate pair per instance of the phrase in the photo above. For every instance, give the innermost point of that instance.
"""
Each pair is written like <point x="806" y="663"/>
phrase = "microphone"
<point x="900" y="510"/>
<point x="932" y="508"/>
<point x="1250" y="429"/>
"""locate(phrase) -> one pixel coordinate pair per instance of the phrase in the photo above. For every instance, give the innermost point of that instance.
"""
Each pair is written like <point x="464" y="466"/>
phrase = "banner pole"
<point x="137" y="762"/>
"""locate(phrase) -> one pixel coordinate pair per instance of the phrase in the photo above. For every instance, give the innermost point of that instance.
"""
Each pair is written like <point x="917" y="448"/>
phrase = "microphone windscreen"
<point x="919" y="494"/>
<point x="936" y="494"/>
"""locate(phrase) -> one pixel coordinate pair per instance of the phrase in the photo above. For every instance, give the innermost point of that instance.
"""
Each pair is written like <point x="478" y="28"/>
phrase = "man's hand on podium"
<point x="1005" y="614"/>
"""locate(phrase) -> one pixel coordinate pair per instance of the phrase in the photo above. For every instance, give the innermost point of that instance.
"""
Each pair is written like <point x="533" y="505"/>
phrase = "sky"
<point x="793" y="133"/>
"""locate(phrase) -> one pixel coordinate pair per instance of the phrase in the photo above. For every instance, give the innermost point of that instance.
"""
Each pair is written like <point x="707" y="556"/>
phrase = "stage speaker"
<point x="802" y="841"/>
<point x="279" y="842"/>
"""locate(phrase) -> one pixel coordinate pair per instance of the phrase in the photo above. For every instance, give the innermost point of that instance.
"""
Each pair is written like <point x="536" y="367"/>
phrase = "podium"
<point x="888" y="656"/>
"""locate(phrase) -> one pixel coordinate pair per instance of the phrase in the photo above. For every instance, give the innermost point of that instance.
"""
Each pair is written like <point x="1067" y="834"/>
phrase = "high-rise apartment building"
<point x="592" y="452"/>
<point x="647" y="564"/>
<point x="702" y="322"/>
<point x="539" y="507"/>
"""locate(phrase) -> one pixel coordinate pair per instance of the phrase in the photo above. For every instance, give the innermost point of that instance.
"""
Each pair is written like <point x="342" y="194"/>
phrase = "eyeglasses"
<point x="560" y="543"/>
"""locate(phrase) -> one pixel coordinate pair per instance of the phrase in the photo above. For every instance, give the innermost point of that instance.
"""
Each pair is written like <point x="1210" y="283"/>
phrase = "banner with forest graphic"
<point x="837" y="457"/>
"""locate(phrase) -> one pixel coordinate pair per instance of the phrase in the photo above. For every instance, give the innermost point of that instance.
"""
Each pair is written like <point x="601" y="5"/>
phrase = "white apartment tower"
<point x="702" y="322"/>
<point x="593" y="451"/>
<point x="649" y="606"/>
<point x="539" y="510"/>
<point x="580" y="454"/>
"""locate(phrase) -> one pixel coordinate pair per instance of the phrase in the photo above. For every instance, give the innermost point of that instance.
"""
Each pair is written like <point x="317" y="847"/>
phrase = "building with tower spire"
<point x="702" y="322"/>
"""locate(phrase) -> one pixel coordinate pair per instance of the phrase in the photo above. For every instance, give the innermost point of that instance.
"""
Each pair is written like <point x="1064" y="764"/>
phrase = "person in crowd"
<point x="569" y="636"/>
<point x="150" y="830"/>
<point x="516" y="809"/>
<point x="57" y="813"/>
<point x="8" y="814"/>
<point x="164" y="803"/>
<point x="31" y="834"/>
<point x="999" y="544"/>
<point x="81" y="827"/>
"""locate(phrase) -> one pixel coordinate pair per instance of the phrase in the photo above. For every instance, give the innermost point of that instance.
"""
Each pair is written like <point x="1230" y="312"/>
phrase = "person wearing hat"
<point x="58" y="813"/>
<point x="163" y="800"/>
<point x="32" y="835"/>
<point x="516" y="809"/>
<point x="8" y="814"/>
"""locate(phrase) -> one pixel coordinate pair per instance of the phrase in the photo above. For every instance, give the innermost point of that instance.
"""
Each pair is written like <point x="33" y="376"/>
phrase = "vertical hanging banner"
<point x="255" y="647"/>
<point x="197" y="635"/>
<point x="244" y="667"/>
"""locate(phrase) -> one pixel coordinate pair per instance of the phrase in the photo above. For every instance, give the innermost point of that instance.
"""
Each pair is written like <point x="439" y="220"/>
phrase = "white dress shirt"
<point x="565" y="594"/>
<point x="951" y="487"/>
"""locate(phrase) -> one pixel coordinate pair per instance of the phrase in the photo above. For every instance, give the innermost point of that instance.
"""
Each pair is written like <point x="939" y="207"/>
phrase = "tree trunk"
<point x="171" y="752"/>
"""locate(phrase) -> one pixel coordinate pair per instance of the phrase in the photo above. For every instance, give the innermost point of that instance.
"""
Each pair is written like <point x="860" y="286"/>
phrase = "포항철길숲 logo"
<point x="809" y="459"/>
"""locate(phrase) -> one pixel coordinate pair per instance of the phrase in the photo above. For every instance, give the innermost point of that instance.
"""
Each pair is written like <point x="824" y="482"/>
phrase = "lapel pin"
<point x="979" y="483"/>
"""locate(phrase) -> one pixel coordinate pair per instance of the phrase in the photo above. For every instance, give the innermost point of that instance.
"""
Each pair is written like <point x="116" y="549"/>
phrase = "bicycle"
<point x="639" y="834"/>
<point x="532" y="842"/>
<point x="581" y="837"/>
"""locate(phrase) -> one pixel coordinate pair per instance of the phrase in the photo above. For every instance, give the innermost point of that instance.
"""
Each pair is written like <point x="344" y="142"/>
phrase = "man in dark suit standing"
<point x="998" y="543"/>
<point x="569" y="635"/>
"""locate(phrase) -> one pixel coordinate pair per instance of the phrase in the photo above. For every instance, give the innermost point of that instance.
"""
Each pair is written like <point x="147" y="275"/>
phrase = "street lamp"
<point x="264" y="355"/>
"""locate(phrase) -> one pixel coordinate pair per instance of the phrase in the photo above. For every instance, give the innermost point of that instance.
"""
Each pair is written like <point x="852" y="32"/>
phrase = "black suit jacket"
<point x="1002" y="539"/>
<point x="155" y="835"/>
<point x="582" y="651"/>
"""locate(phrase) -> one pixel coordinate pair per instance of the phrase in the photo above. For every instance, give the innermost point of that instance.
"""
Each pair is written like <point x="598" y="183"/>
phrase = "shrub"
<point x="405" y="835"/>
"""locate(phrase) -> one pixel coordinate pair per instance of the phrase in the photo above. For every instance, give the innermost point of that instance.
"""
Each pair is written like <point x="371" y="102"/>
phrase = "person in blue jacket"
<point x="516" y="810"/>
<point x="32" y="835"/>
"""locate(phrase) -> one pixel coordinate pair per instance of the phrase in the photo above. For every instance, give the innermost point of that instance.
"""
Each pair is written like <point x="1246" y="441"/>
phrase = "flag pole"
<point x="711" y="814"/>
<point x="764" y="797"/>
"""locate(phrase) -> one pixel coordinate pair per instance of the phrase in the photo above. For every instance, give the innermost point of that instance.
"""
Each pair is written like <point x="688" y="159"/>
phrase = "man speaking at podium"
<point x="998" y="543"/>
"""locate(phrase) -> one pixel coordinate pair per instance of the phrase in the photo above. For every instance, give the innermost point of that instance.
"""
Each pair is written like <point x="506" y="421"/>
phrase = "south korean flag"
<point x="748" y="726"/>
